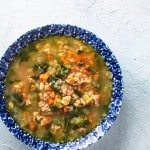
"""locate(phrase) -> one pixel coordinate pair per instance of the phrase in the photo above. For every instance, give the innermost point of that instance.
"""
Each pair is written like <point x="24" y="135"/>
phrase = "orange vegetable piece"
<point x="90" y="117"/>
<point x="94" y="124"/>
<point x="44" y="76"/>
<point x="79" y="88"/>
<point x="96" y="76"/>
<point x="91" y="63"/>
<point x="52" y="95"/>
<point x="49" y="57"/>
<point x="65" y="109"/>
<point x="25" y="113"/>
<point x="31" y="126"/>
<point x="85" y="71"/>
<point x="24" y="90"/>
<point x="50" y="101"/>
<point x="71" y="80"/>
<point x="48" y="88"/>
<point x="64" y="59"/>
<point x="70" y="53"/>
<point x="78" y="58"/>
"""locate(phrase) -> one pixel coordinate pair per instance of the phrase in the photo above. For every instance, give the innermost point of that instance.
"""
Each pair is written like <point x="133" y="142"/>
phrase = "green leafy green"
<point x="79" y="93"/>
<point x="64" y="69"/>
<point x="97" y="86"/>
<point x="80" y="51"/>
<point x="67" y="124"/>
<point x="14" y="81"/>
<point x="53" y="107"/>
<point x="35" y="77"/>
<point x="41" y="67"/>
<point x="85" y="123"/>
<point x="18" y="97"/>
<point x="54" y="82"/>
<point x="81" y="63"/>
<point x="77" y="111"/>
<point x="91" y="70"/>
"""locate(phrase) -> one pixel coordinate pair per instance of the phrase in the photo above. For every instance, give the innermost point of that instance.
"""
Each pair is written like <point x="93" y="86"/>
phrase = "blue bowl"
<point x="101" y="48"/>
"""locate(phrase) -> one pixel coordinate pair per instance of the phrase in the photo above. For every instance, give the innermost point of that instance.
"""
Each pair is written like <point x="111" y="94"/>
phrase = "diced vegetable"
<point x="78" y="93"/>
<point x="53" y="107"/>
<point x="44" y="76"/>
<point x="87" y="99"/>
<point x="81" y="63"/>
<point x="80" y="51"/>
<point x="76" y="120"/>
<point x="18" y="97"/>
<point x="91" y="70"/>
<point x="41" y="67"/>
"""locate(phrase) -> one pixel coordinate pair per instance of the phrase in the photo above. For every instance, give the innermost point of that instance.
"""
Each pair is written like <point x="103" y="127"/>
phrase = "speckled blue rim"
<point x="102" y="49"/>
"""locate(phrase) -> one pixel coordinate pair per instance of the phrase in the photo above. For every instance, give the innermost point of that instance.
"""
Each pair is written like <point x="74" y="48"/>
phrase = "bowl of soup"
<point x="60" y="88"/>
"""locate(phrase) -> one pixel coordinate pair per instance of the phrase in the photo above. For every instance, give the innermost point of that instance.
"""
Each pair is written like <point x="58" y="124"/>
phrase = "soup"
<point x="58" y="89"/>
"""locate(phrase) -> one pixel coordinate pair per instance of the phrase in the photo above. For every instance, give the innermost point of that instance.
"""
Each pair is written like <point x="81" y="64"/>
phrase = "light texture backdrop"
<point x="125" y="27"/>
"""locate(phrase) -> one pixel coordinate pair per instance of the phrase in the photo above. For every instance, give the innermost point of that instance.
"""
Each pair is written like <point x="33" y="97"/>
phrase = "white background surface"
<point x="124" y="25"/>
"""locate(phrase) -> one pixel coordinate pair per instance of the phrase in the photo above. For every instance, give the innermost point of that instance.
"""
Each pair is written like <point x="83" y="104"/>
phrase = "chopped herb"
<point x="80" y="51"/>
<point x="53" y="107"/>
<point x="75" y="112"/>
<point x="97" y="86"/>
<point x="77" y="92"/>
<point x="52" y="79"/>
<point x="85" y="123"/>
<point x="54" y="82"/>
<point x="91" y="70"/>
<point x="41" y="67"/>
<point x="36" y="67"/>
<point x="18" y="97"/>
<point x="14" y="81"/>
<point x="23" y="55"/>
<point x="64" y="69"/>
<point x="81" y="63"/>
<point x="67" y="123"/>
<point x="35" y="77"/>
<point x="78" y="122"/>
